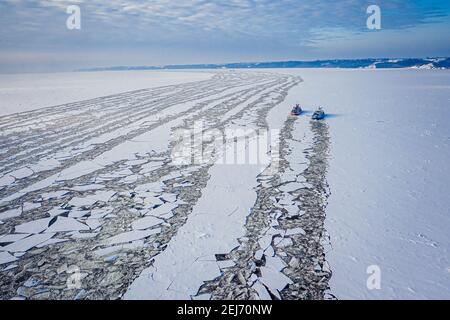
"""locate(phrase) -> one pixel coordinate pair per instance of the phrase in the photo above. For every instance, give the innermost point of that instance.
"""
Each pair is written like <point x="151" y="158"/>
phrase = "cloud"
<point x="253" y="25"/>
<point x="256" y="18"/>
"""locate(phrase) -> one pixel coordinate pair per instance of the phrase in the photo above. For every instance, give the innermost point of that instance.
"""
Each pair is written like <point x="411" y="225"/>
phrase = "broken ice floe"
<point x="28" y="206"/>
<point x="35" y="226"/>
<point x="130" y="179"/>
<point x="21" y="173"/>
<point x="261" y="290"/>
<point x="163" y="211"/>
<point x="9" y="238"/>
<point x="45" y="165"/>
<point x="10" y="213"/>
<point x="89" y="201"/>
<point x="294" y="231"/>
<point x="57" y="211"/>
<point x="135" y="162"/>
<point x="274" y="280"/>
<point x="63" y="224"/>
<point x="50" y="242"/>
<point x="10" y="267"/>
<point x="6" y="257"/>
<point x="149" y="167"/>
<point x="54" y="195"/>
<point x="132" y="236"/>
<point x="85" y="235"/>
<point x="89" y="187"/>
<point x="225" y="264"/>
<point x="78" y="214"/>
<point x="283" y="242"/>
<point x="119" y="248"/>
<point x="93" y="223"/>
<point x="146" y="222"/>
<point x="150" y="187"/>
<point x="6" y="181"/>
<point x="100" y="213"/>
<point x="168" y="197"/>
<point x="27" y="243"/>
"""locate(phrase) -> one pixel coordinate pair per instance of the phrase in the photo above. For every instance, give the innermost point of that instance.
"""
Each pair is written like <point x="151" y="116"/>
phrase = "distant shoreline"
<point x="382" y="63"/>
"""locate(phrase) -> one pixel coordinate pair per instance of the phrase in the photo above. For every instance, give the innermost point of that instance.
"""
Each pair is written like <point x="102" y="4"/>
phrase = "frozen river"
<point x="94" y="202"/>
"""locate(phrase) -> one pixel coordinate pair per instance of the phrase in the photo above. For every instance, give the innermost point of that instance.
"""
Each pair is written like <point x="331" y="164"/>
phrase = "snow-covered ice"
<point x="105" y="183"/>
<point x="388" y="177"/>
<point x="26" y="92"/>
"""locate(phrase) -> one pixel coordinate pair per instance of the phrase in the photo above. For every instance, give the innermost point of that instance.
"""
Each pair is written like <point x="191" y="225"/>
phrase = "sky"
<point x="34" y="36"/>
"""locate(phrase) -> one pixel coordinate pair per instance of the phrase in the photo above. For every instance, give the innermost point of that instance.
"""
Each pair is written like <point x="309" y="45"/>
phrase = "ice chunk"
<point x="28" y="243"/>
<point x="45" y="164"/>
<point x="78" y="214"/>
<point x="50" y="242"/>
<point x="92" y="199"/>
<point x="56" y="212"/>
<point x="28" y="206"/>
<point x="36" y="226"/>
<point x="123" y="172"/>
<point x="152" y="201"/>
<point x="153" y="186"/>
<point x="146" y="222"/>
<point x="10" y="213"/>
<point x="259" y="254"/>
<point x="63" y="224"/>
<point x="135" y="162"/>
<point x="22" y="173"/>
<point x="82" y="202"/>
<point x="265" y="241"/>
<point x="287" y="201"/>
<point x="225" y="264"/>
<point x="274" y="279"/>
<point x="10" y="267"/>
<point x="78" y="170"/>
<point x="262" y="291"/>
<point x="132" y="236"/>
<point x="12" y="238"/>
<point x="54" y="195"/>
<point x="169" y="197"/>
<point x="104" y="196"/>
<point x="99" y="213"/>
<point x="130" y="179"/>
<point x="79" y="235"/>
<point x="284" y="242"/>
<point x="5" y="257"/>
<point x="118" y="248"/>
<point x="289" y="187"/>
<point x="88" y="187"/>
<point x="275" y="263"/>
<point x="298" y="230"/>
<point x="150" y="167"/>
<point x="93" y="223"/>
<point x="162" y="210"/>
<point x="292" y="210"/>
<point x="6" y="181"/>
